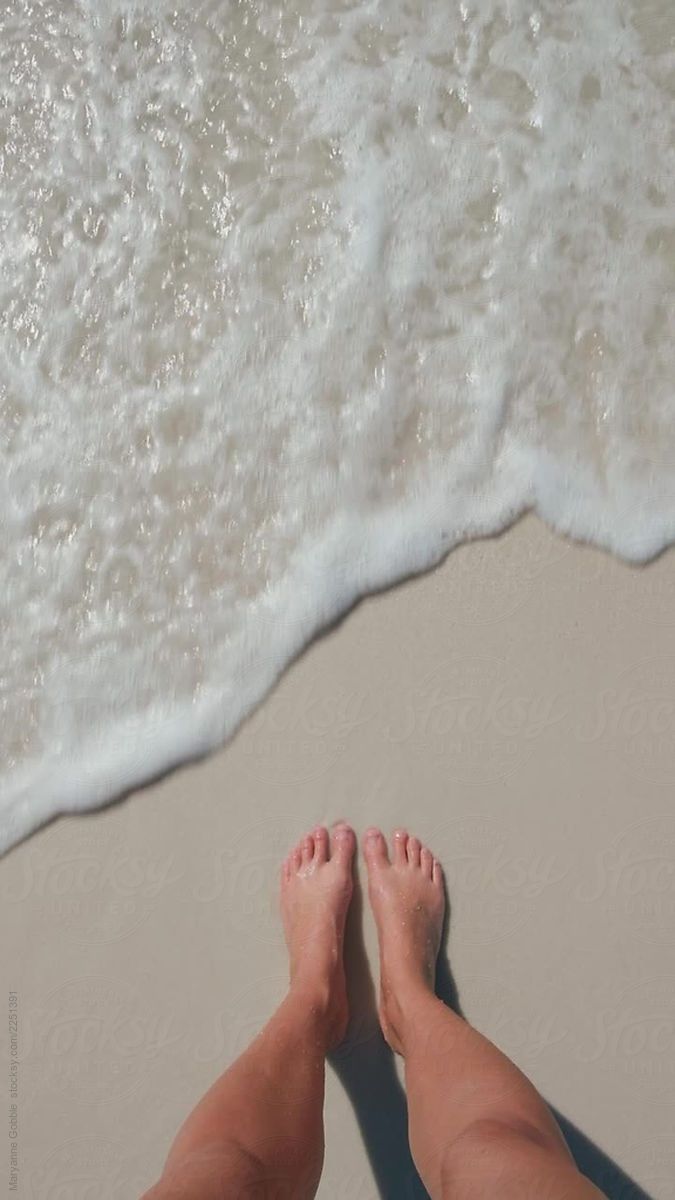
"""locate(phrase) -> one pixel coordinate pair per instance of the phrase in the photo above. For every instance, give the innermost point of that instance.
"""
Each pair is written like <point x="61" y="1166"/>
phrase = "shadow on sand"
<point x="366" y="1068"/>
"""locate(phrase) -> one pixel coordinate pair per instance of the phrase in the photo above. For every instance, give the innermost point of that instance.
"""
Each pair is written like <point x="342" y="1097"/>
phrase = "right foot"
<point x="408" y="903"/>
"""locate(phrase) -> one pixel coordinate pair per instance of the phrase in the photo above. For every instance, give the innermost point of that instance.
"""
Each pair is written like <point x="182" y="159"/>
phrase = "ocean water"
<point x="294" y="298"/>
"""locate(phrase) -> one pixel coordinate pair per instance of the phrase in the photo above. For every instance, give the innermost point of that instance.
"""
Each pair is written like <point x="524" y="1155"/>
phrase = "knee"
<point x="493" y="1153"/>
<point x="214" y="1173"/>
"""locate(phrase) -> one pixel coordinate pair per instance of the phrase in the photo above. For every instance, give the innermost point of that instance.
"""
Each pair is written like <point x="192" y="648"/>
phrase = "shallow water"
<point x="293" y="299"/>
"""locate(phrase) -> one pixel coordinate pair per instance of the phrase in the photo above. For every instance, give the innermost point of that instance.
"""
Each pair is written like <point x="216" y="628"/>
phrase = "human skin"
<point x="477" y="1126"/>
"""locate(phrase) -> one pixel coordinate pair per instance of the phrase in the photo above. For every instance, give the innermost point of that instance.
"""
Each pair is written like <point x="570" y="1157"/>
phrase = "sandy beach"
<point x="515" y="708"/>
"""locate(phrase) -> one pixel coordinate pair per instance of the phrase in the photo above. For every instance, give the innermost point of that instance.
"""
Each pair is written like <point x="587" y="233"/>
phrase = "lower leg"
<point x="477" y="1125"/>
<point x="467" y="1101"/>
<point x="258" y="1131"/>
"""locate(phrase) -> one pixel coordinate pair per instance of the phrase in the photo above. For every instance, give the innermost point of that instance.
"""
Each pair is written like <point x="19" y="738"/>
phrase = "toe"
<point x="307" y="849"/>
<point x="426" y="862"/>
<point x="400" y="843"/>
<point x="294" y="861"/>
<point x="437" y="872"/>
<point x="320" y="844"/>
<point x="342" y="842"/>
<point x="413" y="851"/>
<point x="375" y="848"/>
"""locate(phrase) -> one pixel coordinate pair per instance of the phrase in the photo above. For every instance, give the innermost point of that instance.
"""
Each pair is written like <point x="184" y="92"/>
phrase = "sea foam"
<point x="293" y="298"/>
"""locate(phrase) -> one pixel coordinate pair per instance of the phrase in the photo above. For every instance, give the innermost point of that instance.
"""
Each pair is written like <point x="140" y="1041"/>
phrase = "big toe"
<point x="342" y="843"/>
<point x="375" y="848"/>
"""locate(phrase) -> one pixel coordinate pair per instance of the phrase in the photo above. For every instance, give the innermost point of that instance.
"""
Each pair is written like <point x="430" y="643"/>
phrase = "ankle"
<point x="311" y="993"/>
<point x="402" y="1009"/>
<point x="322" y="1003"/>
<point x="315" y="972"/>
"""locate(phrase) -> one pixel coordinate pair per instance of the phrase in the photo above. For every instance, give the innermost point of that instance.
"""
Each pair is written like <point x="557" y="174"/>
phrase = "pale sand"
<point x="143" y="940"/>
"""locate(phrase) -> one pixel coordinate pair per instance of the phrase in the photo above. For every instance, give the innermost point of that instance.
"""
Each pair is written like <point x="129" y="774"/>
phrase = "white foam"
<point x="293" y="298"/>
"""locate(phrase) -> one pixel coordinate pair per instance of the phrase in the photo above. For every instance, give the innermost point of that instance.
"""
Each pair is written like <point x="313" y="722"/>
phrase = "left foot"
<point x="316" y="888"/>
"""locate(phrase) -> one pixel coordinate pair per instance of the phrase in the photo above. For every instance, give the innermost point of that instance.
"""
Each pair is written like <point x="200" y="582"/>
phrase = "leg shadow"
<point x="366" y="1068"/>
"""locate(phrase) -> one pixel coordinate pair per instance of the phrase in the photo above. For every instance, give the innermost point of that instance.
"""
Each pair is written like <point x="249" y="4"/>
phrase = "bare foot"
<point x="408" y="903"/>
<point x="316" y="888"/>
